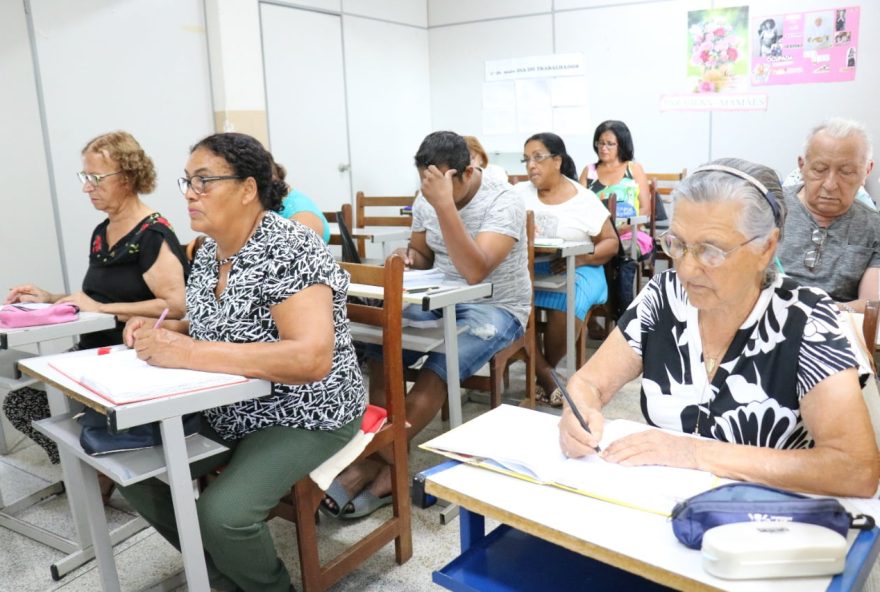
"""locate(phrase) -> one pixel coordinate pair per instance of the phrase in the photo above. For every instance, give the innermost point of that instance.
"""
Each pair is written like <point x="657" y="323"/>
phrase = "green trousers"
<point x="260" y="469"/>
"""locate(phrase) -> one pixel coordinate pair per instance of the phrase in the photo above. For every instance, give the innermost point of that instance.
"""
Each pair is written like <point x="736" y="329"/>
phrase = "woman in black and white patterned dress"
<point x="730" y="351"/>
<point x="265" y="299"/>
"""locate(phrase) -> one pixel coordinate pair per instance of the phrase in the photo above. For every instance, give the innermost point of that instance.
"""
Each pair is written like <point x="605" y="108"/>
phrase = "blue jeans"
<point x="488" y="329"/>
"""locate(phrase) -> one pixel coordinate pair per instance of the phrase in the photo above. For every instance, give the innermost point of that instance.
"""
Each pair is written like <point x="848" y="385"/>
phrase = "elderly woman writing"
<point x="730" y="351"/>
<point x="266" y="300"/>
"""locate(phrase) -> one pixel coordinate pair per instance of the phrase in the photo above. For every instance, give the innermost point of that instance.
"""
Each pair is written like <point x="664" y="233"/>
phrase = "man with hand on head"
<point x="471" y="228"/>
<point x="830" y="240"/>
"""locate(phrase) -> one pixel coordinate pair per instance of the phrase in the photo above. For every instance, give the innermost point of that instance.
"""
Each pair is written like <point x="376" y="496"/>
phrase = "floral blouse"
<point x="116" y="272"/>
<point x="280" y="259"/>
<point x="789" y="343"/>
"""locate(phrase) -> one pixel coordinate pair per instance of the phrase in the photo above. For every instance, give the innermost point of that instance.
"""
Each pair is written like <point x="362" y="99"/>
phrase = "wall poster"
<point x="805" y="47"/>
<point x="717" y="49"/>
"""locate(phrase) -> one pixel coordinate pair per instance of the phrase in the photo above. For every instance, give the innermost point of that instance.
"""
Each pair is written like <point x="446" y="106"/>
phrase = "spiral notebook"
<point x="524" y="443"/>
<point x="120" y="377"/>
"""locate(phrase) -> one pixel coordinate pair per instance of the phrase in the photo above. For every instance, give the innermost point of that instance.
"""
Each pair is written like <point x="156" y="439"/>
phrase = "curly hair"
<point x="122" y="148"/>
<point x="248" y="158"/>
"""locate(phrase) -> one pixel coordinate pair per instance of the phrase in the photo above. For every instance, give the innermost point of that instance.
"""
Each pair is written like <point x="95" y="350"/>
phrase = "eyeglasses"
<point x="198" y="182"/>
<point x="93" y="178"/>
<point x="705" y="254"/>
<point x="536" y="158"/>
<point x="812" y="257"/>
<point x="606" y="144"/>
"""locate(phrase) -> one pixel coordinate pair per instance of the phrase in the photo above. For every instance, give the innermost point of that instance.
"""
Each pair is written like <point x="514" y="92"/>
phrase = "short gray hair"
<point x="840" y="128"/>
<point x="757" y="217"/>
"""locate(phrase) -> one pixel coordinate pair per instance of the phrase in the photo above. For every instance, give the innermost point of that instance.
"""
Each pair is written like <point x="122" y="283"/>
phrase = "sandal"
<point x="337" y="494"/>
<point x="541" y="395"/>
<point x="556" y="398"/>
<point x="364" y="504"/>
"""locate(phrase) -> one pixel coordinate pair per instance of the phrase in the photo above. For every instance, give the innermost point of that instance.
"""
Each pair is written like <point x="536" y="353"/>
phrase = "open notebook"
<point x="525" y="444"/>
<point x="120" y="377"/>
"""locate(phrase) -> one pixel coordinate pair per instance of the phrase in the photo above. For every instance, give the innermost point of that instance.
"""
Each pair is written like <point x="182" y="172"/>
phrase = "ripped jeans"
<point x="488" y="330"/>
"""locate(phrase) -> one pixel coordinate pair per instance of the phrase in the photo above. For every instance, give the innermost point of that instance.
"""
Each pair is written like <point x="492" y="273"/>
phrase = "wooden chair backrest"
<point x="362" y="202"/>
<point x="335" y="238"/>
<point x="664" y="183"/>
<point x="389" y="317"/>
<point x="869" y="326"/>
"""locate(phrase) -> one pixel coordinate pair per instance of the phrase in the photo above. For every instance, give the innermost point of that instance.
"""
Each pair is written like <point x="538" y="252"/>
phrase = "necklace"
<point x="234" y="256"/>
<point x="710" y="362"/>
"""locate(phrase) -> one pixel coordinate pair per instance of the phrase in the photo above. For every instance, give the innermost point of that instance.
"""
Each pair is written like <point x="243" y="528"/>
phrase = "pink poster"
<point x="800" y="48"/>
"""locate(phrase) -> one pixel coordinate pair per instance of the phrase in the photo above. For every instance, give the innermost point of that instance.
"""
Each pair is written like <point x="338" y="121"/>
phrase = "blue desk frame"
<point x="507" y="559"/>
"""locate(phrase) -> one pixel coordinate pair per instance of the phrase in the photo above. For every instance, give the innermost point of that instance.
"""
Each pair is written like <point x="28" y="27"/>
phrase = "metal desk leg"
<point x="76" y="485"/>
<point x="472" y="528"/>
<point x="59" y="404"/>
<point x="570" y="354"/>
<point x="97" y="524"/>
<point x="185" y="515"/>
<point x="453" y="385"/>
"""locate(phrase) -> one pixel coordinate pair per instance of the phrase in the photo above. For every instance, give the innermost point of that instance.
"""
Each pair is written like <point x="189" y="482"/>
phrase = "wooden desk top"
<point x="631" y="540"/>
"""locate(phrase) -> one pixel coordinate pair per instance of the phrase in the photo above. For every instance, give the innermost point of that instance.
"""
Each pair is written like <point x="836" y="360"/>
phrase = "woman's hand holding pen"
<point x="576" y="442"/>
<point x="406" y="254"/>
<point x="155" y="345"/>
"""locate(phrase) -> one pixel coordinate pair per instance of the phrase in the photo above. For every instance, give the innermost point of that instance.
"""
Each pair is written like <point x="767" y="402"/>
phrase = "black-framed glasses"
<point x="93" y="178"/>
<point x="705" y="254"/>
<point x="812" y="257"/>
<point x="198" y="182"/>
<point x="536" y="158"/>
<point x="608" y="145"/>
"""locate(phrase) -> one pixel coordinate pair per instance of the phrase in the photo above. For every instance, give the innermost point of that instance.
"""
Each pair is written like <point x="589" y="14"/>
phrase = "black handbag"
<point x="96" y="438"/>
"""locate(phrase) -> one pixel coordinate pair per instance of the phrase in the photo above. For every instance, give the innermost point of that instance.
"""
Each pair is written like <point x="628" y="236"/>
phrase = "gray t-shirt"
<point x="493" y="209"/>
<point x="851" y="246"/>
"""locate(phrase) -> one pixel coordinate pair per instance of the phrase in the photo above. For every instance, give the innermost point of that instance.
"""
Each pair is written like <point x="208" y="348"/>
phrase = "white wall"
<point x="388" y="103"/>
<point x="108" y="65"/>
<point x="28" y="237"/>
<point x="635" y="52"/>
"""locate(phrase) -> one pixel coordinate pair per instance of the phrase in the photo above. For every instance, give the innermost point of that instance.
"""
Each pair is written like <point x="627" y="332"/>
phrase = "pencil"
<point x="571" y="404"/>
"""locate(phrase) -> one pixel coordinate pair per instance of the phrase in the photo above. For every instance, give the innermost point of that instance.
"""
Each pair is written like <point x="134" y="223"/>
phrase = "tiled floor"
<point x="146" y="559"/>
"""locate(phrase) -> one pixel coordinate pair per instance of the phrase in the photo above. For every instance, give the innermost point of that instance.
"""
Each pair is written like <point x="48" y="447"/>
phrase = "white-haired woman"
<point x="751" y="361"/>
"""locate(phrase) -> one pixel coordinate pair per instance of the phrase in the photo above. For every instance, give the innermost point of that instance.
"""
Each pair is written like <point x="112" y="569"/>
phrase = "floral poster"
<point x="805" y="47"/>
<point x="718" y="49"/>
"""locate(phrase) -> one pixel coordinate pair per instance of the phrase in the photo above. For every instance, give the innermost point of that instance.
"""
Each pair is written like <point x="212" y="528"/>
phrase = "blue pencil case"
<point x="747" y="502"/>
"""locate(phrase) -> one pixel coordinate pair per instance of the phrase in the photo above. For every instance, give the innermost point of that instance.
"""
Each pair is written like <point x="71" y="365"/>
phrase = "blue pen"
<point x="571" y="404"/>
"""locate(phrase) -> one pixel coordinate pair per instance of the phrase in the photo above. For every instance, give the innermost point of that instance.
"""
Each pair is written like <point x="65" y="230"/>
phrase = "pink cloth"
<point x="646" y="244"/>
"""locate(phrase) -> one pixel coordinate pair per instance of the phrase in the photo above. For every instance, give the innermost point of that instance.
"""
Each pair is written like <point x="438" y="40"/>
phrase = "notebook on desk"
<point x="525" y="444"/>
<point x="120" y="377"/>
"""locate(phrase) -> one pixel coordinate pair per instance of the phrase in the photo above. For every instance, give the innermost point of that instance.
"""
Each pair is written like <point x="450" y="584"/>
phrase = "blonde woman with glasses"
<point x="136" y="264"/>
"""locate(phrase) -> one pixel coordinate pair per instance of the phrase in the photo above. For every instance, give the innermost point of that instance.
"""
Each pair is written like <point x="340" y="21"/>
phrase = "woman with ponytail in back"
<point x="564" y="209"/>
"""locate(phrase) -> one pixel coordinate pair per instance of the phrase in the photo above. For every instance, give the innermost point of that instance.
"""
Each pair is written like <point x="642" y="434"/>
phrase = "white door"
<point x="305" y="101"/>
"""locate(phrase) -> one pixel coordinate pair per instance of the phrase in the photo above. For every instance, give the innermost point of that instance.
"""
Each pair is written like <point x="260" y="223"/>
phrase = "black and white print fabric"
<point x="790" y="342"/>
<point x="280" y="259"/>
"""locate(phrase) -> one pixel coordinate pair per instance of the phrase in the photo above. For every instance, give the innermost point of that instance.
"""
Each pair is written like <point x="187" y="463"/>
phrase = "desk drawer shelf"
<point x="508" y="559"/>
<point x="128" y="467"/>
